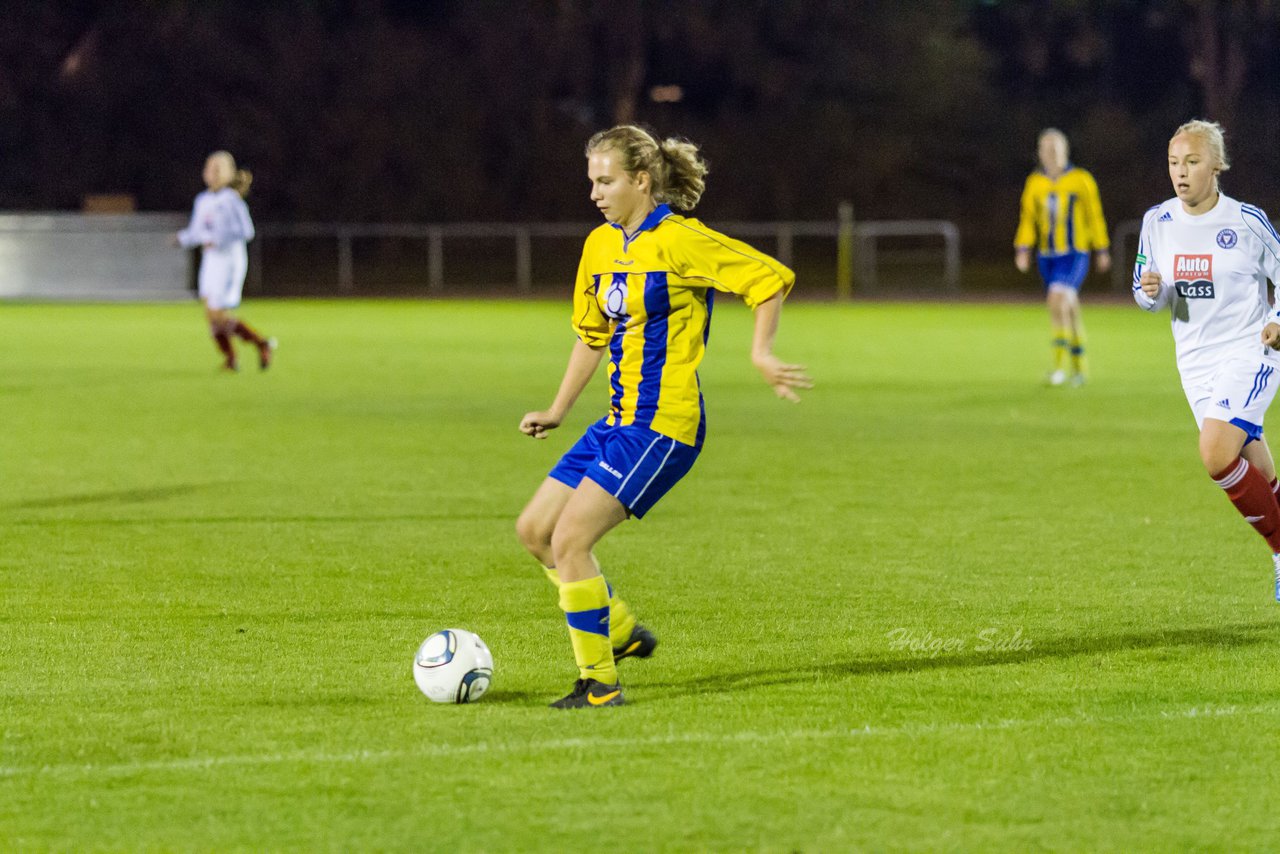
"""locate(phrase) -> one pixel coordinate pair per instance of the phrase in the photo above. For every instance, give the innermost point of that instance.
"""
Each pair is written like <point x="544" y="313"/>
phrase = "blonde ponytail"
<point x="676" y="168"/>
<point x="241" y="181"/>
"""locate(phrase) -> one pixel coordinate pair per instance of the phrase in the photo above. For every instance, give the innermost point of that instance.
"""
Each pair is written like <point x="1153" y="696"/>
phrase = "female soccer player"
<point x="1217" y="254"/>
<point x="1062" y="217"/>
<point x="643" y="294"/>
<point x="221" y="225"/>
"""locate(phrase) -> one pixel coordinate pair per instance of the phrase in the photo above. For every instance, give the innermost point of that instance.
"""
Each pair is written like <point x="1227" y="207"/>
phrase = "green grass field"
<point x="934" y="606"/>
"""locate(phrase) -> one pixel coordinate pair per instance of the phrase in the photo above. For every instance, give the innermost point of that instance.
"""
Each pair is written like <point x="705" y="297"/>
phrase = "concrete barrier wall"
<point x="67" y="256"/>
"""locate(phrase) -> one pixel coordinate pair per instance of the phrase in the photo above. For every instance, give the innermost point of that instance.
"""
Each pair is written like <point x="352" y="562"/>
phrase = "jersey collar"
<point x="655" y="216"/>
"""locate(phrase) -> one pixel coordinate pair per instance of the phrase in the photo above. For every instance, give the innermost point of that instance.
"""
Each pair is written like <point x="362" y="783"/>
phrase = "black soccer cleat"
<point x="640" y="644"/>
<point x="587" y="693"/>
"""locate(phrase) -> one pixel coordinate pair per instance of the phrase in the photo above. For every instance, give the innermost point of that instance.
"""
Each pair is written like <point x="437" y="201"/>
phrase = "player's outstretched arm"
<point x="784" y="378"/>
<point x="583" y="361"/>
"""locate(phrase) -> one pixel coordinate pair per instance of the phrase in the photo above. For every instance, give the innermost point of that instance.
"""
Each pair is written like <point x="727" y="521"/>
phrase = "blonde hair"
<point x="241" y="179"/>
<point x="1213" y="136"/>
<point x="676" y="169"/>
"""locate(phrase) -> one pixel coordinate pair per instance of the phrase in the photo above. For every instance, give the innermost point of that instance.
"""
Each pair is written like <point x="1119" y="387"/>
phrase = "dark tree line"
<point x="449" y="110"/>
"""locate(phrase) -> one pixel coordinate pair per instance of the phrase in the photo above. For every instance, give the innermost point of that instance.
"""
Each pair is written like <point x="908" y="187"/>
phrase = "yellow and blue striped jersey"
<point x="648" y="296"/>
<point x="1063" y="215"/>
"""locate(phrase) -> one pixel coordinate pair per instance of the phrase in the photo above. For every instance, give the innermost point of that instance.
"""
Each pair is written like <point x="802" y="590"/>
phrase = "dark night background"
<point x="444" y="110"/>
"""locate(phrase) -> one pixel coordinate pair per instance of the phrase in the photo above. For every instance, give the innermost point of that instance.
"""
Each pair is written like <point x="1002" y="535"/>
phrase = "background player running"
<point x="1207" y="257"/>
<point x="221" y="226"/>
<point x="1061" y="216"/>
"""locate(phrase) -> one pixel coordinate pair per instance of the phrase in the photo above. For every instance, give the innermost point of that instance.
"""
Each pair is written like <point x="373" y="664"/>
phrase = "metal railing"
<point x="859" y="241"/>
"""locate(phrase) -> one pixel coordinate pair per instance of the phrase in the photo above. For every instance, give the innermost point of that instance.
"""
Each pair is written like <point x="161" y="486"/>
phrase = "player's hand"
<point x="537" y="424"/>
<point x="1271" y="335"/>
<point x="784" y="378"/>
<point x="1022" y="259"/>
<point x="1150" y="283"/>
<point x="1103" y="257"/>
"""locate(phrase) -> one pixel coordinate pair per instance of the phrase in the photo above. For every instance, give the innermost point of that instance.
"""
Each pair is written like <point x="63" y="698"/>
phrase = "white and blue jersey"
<point x="220" y="223"/>
<point x="1214" y="269"/>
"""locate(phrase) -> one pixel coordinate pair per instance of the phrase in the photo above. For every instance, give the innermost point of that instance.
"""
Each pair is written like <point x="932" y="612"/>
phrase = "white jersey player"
<point x="1206" y="259"/>
<point x="221" y="226"/>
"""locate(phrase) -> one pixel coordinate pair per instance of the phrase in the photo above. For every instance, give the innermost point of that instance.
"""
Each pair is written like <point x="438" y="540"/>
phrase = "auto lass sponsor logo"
<point x="1193" y="276"/>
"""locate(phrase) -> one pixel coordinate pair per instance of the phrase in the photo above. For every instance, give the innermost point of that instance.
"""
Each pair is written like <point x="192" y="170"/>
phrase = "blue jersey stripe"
<point x="1051" y="204"/>
<point x="615" y="354"/>
<point x="657" y="309"/>
<point x="1258" y="215"/>
<point x="1071" y="221"/>
<point x="1261" y="214"/>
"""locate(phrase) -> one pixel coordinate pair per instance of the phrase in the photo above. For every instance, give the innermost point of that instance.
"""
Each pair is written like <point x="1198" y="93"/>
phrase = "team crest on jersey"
<point x="1227" y="238"/>
<point x="615" y="298"/>
<point x="1193" y="276"/>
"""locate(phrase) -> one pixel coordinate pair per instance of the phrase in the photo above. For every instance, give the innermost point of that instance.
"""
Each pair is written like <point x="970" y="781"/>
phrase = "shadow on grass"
<point x="1240" y="635"/>
<point x="117" y="496"/>
<point x="267" y="519"/>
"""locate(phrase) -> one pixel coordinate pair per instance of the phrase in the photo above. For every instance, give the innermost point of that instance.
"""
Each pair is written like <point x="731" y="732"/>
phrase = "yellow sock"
<point x="1078" y="362"/>
<point x="621" y="620"/>
<point x="586" y="608"/>
<point x="1061" y="345"/>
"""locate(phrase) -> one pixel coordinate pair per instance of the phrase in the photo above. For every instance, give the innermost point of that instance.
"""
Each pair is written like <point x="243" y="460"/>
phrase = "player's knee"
<point x="569" y="541"/>
<point x="533" y="533"/>
<point x="1217" y="456"/>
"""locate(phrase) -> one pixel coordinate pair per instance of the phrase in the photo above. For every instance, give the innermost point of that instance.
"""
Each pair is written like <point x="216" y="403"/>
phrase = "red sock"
<point x="1252" y="496"/>
<point x="223" y="340"/>
<point x="242" y="329"/>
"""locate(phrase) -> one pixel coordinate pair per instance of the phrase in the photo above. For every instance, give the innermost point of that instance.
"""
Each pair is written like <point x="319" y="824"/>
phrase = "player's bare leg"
<point x="590" y="513"/>
<point x="1060" y="317"/>
<point x="1075" y="327"/>
<point x="1245" y="473"/>
<point x="534" y="528"/>
<point x="218" y="328"/>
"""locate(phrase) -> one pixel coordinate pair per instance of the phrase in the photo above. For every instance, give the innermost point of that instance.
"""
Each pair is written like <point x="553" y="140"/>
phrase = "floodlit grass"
<point x="934" y="606"/>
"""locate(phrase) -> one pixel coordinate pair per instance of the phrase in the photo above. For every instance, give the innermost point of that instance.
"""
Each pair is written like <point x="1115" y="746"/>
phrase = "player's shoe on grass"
<point x="265" y="351"/>
<point x="640" y="645"/>
<point x="1078" y="380"/>
<point x="587" y="693"/>
<point x="1276" y="560"/>
<point x="1056" y="378"/>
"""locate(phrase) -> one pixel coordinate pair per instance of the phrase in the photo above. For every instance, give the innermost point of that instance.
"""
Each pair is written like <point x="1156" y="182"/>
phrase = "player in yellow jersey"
<point x="643" y="295"/>
<point x="1061" y="219"/>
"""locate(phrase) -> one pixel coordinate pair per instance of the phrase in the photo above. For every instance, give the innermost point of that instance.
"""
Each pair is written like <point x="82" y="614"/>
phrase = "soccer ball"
<point x="453" y="666"/>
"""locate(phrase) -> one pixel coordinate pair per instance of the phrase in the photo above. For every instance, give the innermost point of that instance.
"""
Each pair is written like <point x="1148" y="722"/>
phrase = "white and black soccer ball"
<point x="453" y="666"/>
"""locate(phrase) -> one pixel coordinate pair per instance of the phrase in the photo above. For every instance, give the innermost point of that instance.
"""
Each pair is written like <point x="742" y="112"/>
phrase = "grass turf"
<point x="935" y="606"/>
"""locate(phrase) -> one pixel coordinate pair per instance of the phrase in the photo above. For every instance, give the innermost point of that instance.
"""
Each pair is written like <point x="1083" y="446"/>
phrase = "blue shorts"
<point x="633" y="464"/>
<point x="1064" y="270"/>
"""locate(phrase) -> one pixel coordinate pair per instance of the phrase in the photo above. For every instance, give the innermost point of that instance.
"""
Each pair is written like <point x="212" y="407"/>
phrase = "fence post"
<point x="844" y="252"/>
<point x="255" y="266"/>
<point x="785" y="244"/>
<point x="524" y="261"/>
<point x="346" y="262"/>
<point x="435" y="259"/>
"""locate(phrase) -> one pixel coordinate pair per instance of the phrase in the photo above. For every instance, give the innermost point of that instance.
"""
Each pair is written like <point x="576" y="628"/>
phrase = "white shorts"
<point x="1238" y="392"/>
<point x="222" y="273"/>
